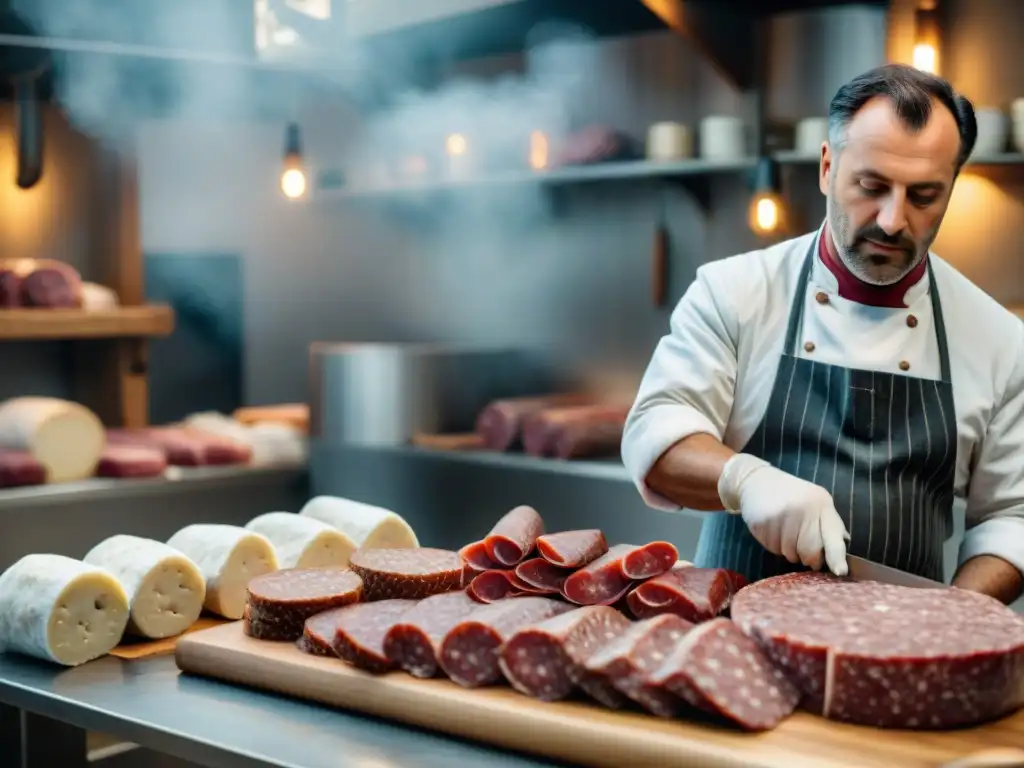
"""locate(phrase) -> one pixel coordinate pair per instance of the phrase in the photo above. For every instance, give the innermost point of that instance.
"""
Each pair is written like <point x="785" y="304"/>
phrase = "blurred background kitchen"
<point x="371" y="219"/>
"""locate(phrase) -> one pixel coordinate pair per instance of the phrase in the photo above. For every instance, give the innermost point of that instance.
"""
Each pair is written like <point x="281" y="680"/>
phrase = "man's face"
<point x="888" y="189"/>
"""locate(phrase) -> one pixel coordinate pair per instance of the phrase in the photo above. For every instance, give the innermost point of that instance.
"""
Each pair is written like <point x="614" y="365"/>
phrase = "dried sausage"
<point x="601" y="582"/>
<point x="541" y="576"/>
<point x="356" y="632"/>
<point x="572" y="549"/>
<point x="513" y="537"/>
<point x="413" y="643"/>
<point x="279" y="602"/>
<point x="407" y="573"/>
<point x="694" y="594"/>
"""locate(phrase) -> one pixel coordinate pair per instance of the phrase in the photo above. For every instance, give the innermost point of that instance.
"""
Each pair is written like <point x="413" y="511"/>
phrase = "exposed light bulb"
<point x="926" y="58"/>
<point x="765" y="213"/>
<point x="539" y="150"/>
<point x="293" y="183"/>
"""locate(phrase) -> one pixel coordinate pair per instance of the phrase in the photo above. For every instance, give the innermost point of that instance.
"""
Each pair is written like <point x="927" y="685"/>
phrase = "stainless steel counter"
<point x="149" y="702"/>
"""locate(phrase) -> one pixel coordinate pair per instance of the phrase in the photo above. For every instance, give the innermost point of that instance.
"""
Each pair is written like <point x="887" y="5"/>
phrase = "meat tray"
<point x="579" y="733"/>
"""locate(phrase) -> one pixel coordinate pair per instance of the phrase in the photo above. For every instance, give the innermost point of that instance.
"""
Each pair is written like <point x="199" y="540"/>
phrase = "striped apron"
<point x="883" y="444"/>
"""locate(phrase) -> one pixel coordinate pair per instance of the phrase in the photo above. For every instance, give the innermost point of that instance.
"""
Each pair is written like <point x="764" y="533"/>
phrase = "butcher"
<point x="831" y="394"/>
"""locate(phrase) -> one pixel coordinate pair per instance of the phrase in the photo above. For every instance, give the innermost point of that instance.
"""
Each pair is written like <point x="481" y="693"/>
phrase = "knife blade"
<point x="865" y="570"/>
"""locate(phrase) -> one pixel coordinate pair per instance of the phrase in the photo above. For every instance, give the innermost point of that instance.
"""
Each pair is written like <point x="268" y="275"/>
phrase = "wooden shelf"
<point x="1008" y="158"/>
<point x="60" y="324"/>
<point x="582" y="174"/>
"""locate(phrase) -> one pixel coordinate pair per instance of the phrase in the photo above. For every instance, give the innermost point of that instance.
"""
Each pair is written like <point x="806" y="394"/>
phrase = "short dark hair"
<point x="912" y="92"/>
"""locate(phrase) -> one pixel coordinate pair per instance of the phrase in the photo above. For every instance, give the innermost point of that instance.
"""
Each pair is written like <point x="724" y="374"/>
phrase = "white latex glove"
<point x="788" y="516"/>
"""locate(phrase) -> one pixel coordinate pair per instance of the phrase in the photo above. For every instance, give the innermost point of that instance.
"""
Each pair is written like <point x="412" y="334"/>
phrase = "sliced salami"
<point x="131" y="461"/>
<point x="540" y="575"/>
<point x="407" y="574"/>
<point x="888" y="656"/>
<point x="513" y="537"/>
<point x="572" y="549"/>
<point x="414" y="642"/>
<point x="694" y="594"/>
<point x="357" y="631"/>
<point x="602" y="582"/>
<point x="475" y="556"/>
<point x="719" y="669"/>
<point x="279" y="602"/>
<point x="469" y="652"/>
<point x="627" y="663"/>
<point x="498" y="584"/>
<point x="500" y="424"/>
<point x="546" y="660"/>
<point x="318" y="633"/>
<point x="650" y="560"/>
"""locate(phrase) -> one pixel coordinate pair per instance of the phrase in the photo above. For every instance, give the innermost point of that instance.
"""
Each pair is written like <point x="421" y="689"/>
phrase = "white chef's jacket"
<point x="713" y="373"/>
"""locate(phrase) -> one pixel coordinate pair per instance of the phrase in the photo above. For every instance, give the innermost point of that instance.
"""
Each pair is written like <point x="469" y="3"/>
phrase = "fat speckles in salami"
<point x="407" y="574"/>
<point x="280" y="602"/>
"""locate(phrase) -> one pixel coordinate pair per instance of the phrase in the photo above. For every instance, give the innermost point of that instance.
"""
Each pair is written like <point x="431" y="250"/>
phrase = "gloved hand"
<point x="788" y="516"/>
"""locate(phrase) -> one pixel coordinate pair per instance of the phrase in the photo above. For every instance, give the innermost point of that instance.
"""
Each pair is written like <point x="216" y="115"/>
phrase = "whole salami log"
<point x="469" y="652"/>
<point x="649" y="560"/>
<point x="627" y="662"/>
<point x="546" y="660"/>
<point x="500" y="423"/>
<point x="52" y="284"/>
<point x="280" y="602"/>
<point x="415" y="641"/>
<point x="356" y="632"/>
<point x="541" y="576"/>
<point x="601" y="582"/>
<point x="409" y="574"/>
<point x="513" y="537"/>
<point x="694" y="594"/>
<point x="572" y="549"/>
<point x="888" y="656"/>
<point x="583" y="431"/>
<point x="20" y="468"/>
<point x="131" y="461"/>
<point x="719" y="669"/>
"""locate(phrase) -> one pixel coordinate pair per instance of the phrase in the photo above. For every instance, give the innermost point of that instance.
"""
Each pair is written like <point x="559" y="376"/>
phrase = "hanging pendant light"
<point x="767" y="212"/>
<point x="293" y="175"/>
<point x="926" y="37"/>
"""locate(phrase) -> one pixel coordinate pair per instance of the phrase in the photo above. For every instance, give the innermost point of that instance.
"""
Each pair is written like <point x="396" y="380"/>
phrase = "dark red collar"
<point x="856" y="290"/>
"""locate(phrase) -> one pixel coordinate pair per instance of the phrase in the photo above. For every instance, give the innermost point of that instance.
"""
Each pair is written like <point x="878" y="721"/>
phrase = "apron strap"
<point x="796" y="312"/>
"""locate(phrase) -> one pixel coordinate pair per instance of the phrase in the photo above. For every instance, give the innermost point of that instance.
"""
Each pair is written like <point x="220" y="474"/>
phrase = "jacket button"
<point x="904" y="365"/>
<point x="821" y="297"/>
<point x="808" y="346"/>
<point x="912" y="321"/>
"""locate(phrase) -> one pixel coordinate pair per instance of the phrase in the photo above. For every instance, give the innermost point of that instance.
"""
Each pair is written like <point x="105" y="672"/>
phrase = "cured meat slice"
<point x="370" y="527"/>
<point x="165" y="589"/>
<point x="500" y="424"/>
<point x="469" y="652"/>
<point x="489" y="586"/>
<point x="885" y="655"/>
<point x="719" y="669"/>
<point x="181" y="450"/>
<point x="572" y="549"/>
<point x="20" y="468"/>
<point x="694" y="594"/>
<point x="629" y="661"/>
<point x="649" y="560"/>
<point x="582" y="431"/>
<point x="415" y="641"/>
<point x="601" y="582"/>
<point x="317" y="634"/>
<point x="131" y="461"/>
<point x="407" y="573"/>
<point x="475" y="556"/>
<point x="303" y="542"/>
<point x="280" y="602"/>
<point x="359" y="630"/>
<point x="539" y="574"/>
<point x="546" y="660"/>
<point x="513" y="537"/>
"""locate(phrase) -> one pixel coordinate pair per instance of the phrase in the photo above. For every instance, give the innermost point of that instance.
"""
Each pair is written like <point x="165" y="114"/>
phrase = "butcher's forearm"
<point x="992" y="576"/>
<point x="688" y="472"/>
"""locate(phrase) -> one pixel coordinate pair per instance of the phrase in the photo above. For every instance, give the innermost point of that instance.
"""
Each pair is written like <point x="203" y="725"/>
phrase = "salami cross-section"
<point x="720" y="670"/>
<point x="695" y="594"/>
<point x="572" y="549"/>
<point x="356" y="632"/>
<point x="885" y="655"/>
<point x="469" y="652"/>
<point x="513" y="537"/>
<point x="546" y="660"/>
<point x="407" y="574"/>
<point x="414" y="642"/>
<point x="280" y="602"/>
<point x="628" y="662"/>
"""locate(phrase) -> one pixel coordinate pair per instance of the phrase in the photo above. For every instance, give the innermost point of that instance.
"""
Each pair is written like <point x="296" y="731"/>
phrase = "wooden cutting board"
<point x="575" y="732"/>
